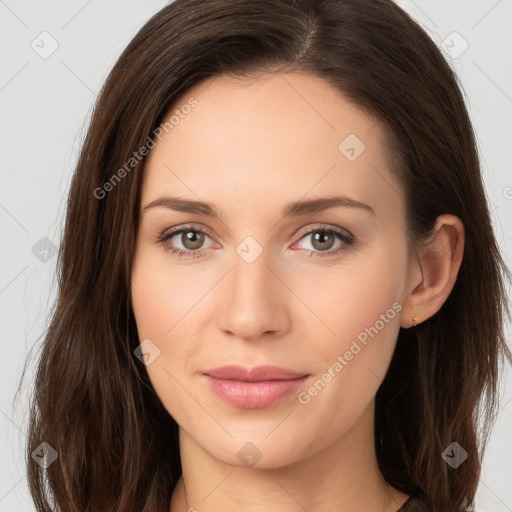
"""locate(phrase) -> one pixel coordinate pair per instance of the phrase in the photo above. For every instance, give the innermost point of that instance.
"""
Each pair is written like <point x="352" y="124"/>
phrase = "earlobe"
<point x="437" y="267"/>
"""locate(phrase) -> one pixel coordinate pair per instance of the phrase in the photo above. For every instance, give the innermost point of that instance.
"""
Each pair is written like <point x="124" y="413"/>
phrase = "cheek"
<point x="352" y="298"/>
<point x="162" y="293"/>
<point x="167" y="301"/>
<point x="351" y="364"/>
<point x="158" y="305"/>
<point x="360" y="304"/>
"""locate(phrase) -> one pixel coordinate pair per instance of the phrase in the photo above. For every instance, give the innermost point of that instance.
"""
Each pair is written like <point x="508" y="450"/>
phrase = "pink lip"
<point x="254" y="388"/>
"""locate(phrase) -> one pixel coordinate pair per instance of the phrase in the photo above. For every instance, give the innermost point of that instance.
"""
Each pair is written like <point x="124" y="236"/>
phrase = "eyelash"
<point x="347" y="240"/>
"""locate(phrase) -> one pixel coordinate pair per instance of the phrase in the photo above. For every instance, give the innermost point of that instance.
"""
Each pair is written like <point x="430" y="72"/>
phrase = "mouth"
<point x="254" y="388"/>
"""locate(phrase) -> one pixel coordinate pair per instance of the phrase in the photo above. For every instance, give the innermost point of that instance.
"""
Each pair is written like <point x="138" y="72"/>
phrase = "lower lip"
<point x="254" y="395"/>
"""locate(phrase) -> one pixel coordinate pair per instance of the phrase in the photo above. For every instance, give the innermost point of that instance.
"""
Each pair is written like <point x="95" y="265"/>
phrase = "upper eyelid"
<point x="190" y="227"/>
<point x="327" y="227"/>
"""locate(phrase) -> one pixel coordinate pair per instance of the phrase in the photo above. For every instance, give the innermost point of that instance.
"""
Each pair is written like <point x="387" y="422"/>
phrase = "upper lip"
<point x="256" y="374"/>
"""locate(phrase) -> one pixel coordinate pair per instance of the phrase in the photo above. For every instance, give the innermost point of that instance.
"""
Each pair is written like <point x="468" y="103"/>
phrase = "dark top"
<point x="413" y="504"/>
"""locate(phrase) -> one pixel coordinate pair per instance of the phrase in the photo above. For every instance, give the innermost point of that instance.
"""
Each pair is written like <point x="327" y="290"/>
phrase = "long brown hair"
<point x="93" y="402"/>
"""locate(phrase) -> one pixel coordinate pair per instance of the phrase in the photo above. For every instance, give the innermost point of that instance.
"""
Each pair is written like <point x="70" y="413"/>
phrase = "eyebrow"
<point x="294" y="209"/>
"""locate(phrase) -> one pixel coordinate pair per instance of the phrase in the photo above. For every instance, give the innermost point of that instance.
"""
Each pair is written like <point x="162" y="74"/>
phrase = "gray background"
<point x="45" y="105"/>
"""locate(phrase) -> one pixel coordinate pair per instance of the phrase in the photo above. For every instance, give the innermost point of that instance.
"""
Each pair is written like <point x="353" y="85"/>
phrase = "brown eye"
<point x="322" y="240"/>
<point x="191" y="239"/>
<point x="186" y="242"/>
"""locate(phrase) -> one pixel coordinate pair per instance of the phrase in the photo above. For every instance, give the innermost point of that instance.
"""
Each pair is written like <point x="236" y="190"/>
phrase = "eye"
<point x="323" y="240"/>
<point x="189" y="237"/>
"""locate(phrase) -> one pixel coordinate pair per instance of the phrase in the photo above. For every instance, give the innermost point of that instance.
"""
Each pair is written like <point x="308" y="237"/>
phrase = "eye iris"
<point x="320" y="237"/>
<point x="192" y="239"/>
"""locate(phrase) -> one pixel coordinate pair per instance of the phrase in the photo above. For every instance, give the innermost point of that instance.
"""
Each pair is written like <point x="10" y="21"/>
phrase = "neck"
<point x="343" y="477"/>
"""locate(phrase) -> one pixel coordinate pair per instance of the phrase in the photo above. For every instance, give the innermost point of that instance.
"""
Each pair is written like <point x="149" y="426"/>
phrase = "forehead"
<point x="273" y="138"/>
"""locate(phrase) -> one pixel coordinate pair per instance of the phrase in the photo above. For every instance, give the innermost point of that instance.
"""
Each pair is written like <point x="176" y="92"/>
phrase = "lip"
<point x="253" y="388"/>
<point x="256" y="374"/>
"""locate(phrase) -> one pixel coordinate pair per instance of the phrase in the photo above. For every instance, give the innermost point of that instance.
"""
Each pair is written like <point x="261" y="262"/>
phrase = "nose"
<point x="253" y="301"/>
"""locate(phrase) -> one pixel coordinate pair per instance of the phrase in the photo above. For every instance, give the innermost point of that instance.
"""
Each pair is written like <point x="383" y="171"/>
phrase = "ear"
<point x="433" y="274"/>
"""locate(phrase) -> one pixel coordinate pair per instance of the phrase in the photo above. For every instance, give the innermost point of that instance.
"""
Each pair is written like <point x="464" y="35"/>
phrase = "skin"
<point x="250" y="147"/>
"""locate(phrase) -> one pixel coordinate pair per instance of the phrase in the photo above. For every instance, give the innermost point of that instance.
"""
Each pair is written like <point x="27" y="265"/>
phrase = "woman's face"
<point x="266" y="283"/>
